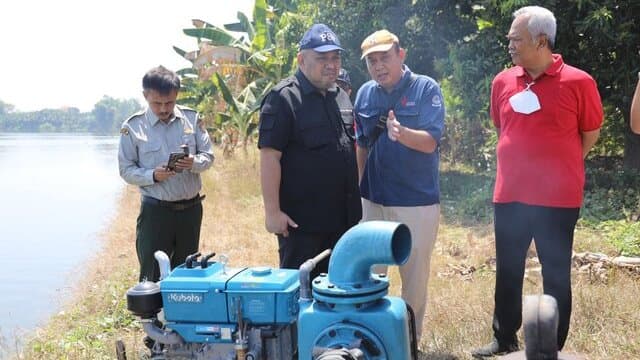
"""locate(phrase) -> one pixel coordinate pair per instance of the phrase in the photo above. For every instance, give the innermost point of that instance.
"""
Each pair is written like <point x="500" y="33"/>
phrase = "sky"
<point x="70" y="53"/>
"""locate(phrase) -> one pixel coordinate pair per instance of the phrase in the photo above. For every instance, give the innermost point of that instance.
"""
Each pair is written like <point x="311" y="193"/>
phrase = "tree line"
<point x="105" y="118"/>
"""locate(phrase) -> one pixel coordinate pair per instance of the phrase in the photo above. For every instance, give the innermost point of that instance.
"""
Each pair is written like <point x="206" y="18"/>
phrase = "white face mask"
<point x="525" y="102"/>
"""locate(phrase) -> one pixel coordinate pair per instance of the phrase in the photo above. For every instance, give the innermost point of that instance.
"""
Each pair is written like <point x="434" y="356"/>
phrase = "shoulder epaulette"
<point x="139" y="113"/>
<point x="284" y="83"/>
<point x="124" y="129"/>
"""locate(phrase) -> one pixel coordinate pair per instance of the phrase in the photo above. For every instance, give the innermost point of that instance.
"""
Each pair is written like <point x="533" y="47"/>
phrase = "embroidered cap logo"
<point x="327" y="36"/>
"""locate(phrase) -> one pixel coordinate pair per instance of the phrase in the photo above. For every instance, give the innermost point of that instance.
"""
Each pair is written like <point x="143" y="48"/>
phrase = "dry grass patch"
<point x="605" y="320"/>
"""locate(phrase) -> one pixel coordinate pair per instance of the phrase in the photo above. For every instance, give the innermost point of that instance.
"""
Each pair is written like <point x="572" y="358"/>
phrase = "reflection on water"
<point x="57" y="191"/>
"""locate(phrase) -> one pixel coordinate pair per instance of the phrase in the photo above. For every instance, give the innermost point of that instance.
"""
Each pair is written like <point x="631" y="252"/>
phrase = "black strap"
<point x="381" y="124"/>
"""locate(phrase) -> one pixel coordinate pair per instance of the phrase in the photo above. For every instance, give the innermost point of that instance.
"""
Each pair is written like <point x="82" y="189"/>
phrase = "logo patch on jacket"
<point x="405" y="102"/>
<point x="436" y="101"/>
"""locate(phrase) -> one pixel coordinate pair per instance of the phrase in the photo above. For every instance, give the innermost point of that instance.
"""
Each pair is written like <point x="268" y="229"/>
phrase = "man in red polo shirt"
<point x="548" y="116"/>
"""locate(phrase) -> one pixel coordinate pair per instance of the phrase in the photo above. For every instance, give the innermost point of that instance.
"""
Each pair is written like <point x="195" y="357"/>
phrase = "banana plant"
<point x="265" y="55"/>
<point x="238" y="122"/>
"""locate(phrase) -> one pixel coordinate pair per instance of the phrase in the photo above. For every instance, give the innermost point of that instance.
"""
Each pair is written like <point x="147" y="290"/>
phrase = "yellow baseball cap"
<point x="381" y="40"/>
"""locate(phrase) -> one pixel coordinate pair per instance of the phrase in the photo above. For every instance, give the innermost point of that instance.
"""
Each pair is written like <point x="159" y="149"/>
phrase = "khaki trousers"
<point x="423" y="223"/>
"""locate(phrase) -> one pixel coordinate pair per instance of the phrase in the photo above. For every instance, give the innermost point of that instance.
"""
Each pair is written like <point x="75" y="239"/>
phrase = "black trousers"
<point x="175" y="232"/>
<point x="300" y="246"/>
<point x="552" y="229"/>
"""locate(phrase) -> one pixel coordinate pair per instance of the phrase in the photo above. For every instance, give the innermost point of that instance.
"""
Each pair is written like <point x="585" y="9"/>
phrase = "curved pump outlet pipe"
<point x="367" y="244"/>
<point x="163" y="263"/>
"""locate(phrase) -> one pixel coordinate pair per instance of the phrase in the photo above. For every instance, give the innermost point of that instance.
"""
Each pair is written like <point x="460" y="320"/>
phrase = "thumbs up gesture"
<point x="393" y="126"/>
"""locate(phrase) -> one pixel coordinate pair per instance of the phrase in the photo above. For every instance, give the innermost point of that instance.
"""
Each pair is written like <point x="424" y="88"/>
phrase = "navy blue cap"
<point x="343" y="76"/>
<point x="321" y="39"/>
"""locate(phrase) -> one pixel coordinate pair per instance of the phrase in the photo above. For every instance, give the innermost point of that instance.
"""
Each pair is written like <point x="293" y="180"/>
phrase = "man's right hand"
<point x="393" y="126"/>
<point x="161" y="174"/>
<point x="278" y="223"/>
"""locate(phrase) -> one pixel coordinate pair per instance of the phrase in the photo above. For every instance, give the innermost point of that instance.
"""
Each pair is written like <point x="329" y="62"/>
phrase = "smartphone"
<point x="173" y="159"/>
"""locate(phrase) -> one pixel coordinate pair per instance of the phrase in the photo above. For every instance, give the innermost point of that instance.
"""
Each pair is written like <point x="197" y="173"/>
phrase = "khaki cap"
<point x="381" y="40"/>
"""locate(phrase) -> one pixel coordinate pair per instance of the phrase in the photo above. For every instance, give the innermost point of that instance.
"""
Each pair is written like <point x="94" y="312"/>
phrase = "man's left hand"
<point x="186" y="163"/>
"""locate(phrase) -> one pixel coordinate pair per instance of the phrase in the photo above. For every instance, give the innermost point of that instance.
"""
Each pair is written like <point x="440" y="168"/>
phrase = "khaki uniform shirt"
<point x="146" y="142"/>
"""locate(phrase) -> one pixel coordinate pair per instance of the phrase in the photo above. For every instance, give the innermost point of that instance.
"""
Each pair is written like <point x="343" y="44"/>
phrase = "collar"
<point x="153" y="119"/>
<point x="552" y="70"/>
<point x="307" y="87"/>
<point x="406" y="76"/>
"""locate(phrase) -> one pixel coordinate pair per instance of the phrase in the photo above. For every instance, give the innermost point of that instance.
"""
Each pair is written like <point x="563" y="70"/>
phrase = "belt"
<point x="173" y="205"/>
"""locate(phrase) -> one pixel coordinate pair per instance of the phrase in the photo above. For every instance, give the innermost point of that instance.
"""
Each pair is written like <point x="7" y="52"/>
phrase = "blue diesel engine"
<point x="204" y="309"/>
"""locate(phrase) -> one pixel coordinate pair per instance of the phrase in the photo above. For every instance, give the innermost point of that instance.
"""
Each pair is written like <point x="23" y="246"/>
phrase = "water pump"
<point x="204" y="309"/>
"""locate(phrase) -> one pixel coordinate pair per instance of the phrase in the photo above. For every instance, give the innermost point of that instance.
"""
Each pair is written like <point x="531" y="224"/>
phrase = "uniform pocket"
<point x="368" y="120"/>
<point x="366" y="127"/>
<point x="150" y="154"/>
<point x="316" y="136"/>
<point x="408" y="117"/>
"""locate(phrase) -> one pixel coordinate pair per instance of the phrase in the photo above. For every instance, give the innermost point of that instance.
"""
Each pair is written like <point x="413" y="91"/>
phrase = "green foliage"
<point x="612" y="203"/>
<point x="611" y="200"/>
<point x="611" y="192"/>
<point x="240" y="120"/>
<point x="464" y="44"/>
<point x="466" y="196"/>
<point x="425" y="29"/>
<point x="268" y="52"/>
<point x="622" y="234"/>
<point x="607" y="31"/>
<point x="625" y="236"/>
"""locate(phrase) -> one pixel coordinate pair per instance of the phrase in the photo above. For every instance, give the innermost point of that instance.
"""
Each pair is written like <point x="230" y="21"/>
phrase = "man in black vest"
<point x="307" y="157"/>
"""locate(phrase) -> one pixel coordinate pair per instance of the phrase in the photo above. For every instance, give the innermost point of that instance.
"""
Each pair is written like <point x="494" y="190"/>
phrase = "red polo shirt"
<point x="540" y="155"/>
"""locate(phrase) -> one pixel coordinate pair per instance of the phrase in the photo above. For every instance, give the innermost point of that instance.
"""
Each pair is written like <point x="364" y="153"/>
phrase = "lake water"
<point x="57" y="193"/>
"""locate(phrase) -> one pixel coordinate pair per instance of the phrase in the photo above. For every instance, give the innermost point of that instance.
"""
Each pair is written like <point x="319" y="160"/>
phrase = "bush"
<point x="611" y="192"/>
<point x="466" y="197"/>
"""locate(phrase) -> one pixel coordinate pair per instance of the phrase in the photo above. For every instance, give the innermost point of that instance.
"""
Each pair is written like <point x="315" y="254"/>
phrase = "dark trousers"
<point x="299" y="247"/>
<point x="552" y="229"/>
<point x="175" y="232"/>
